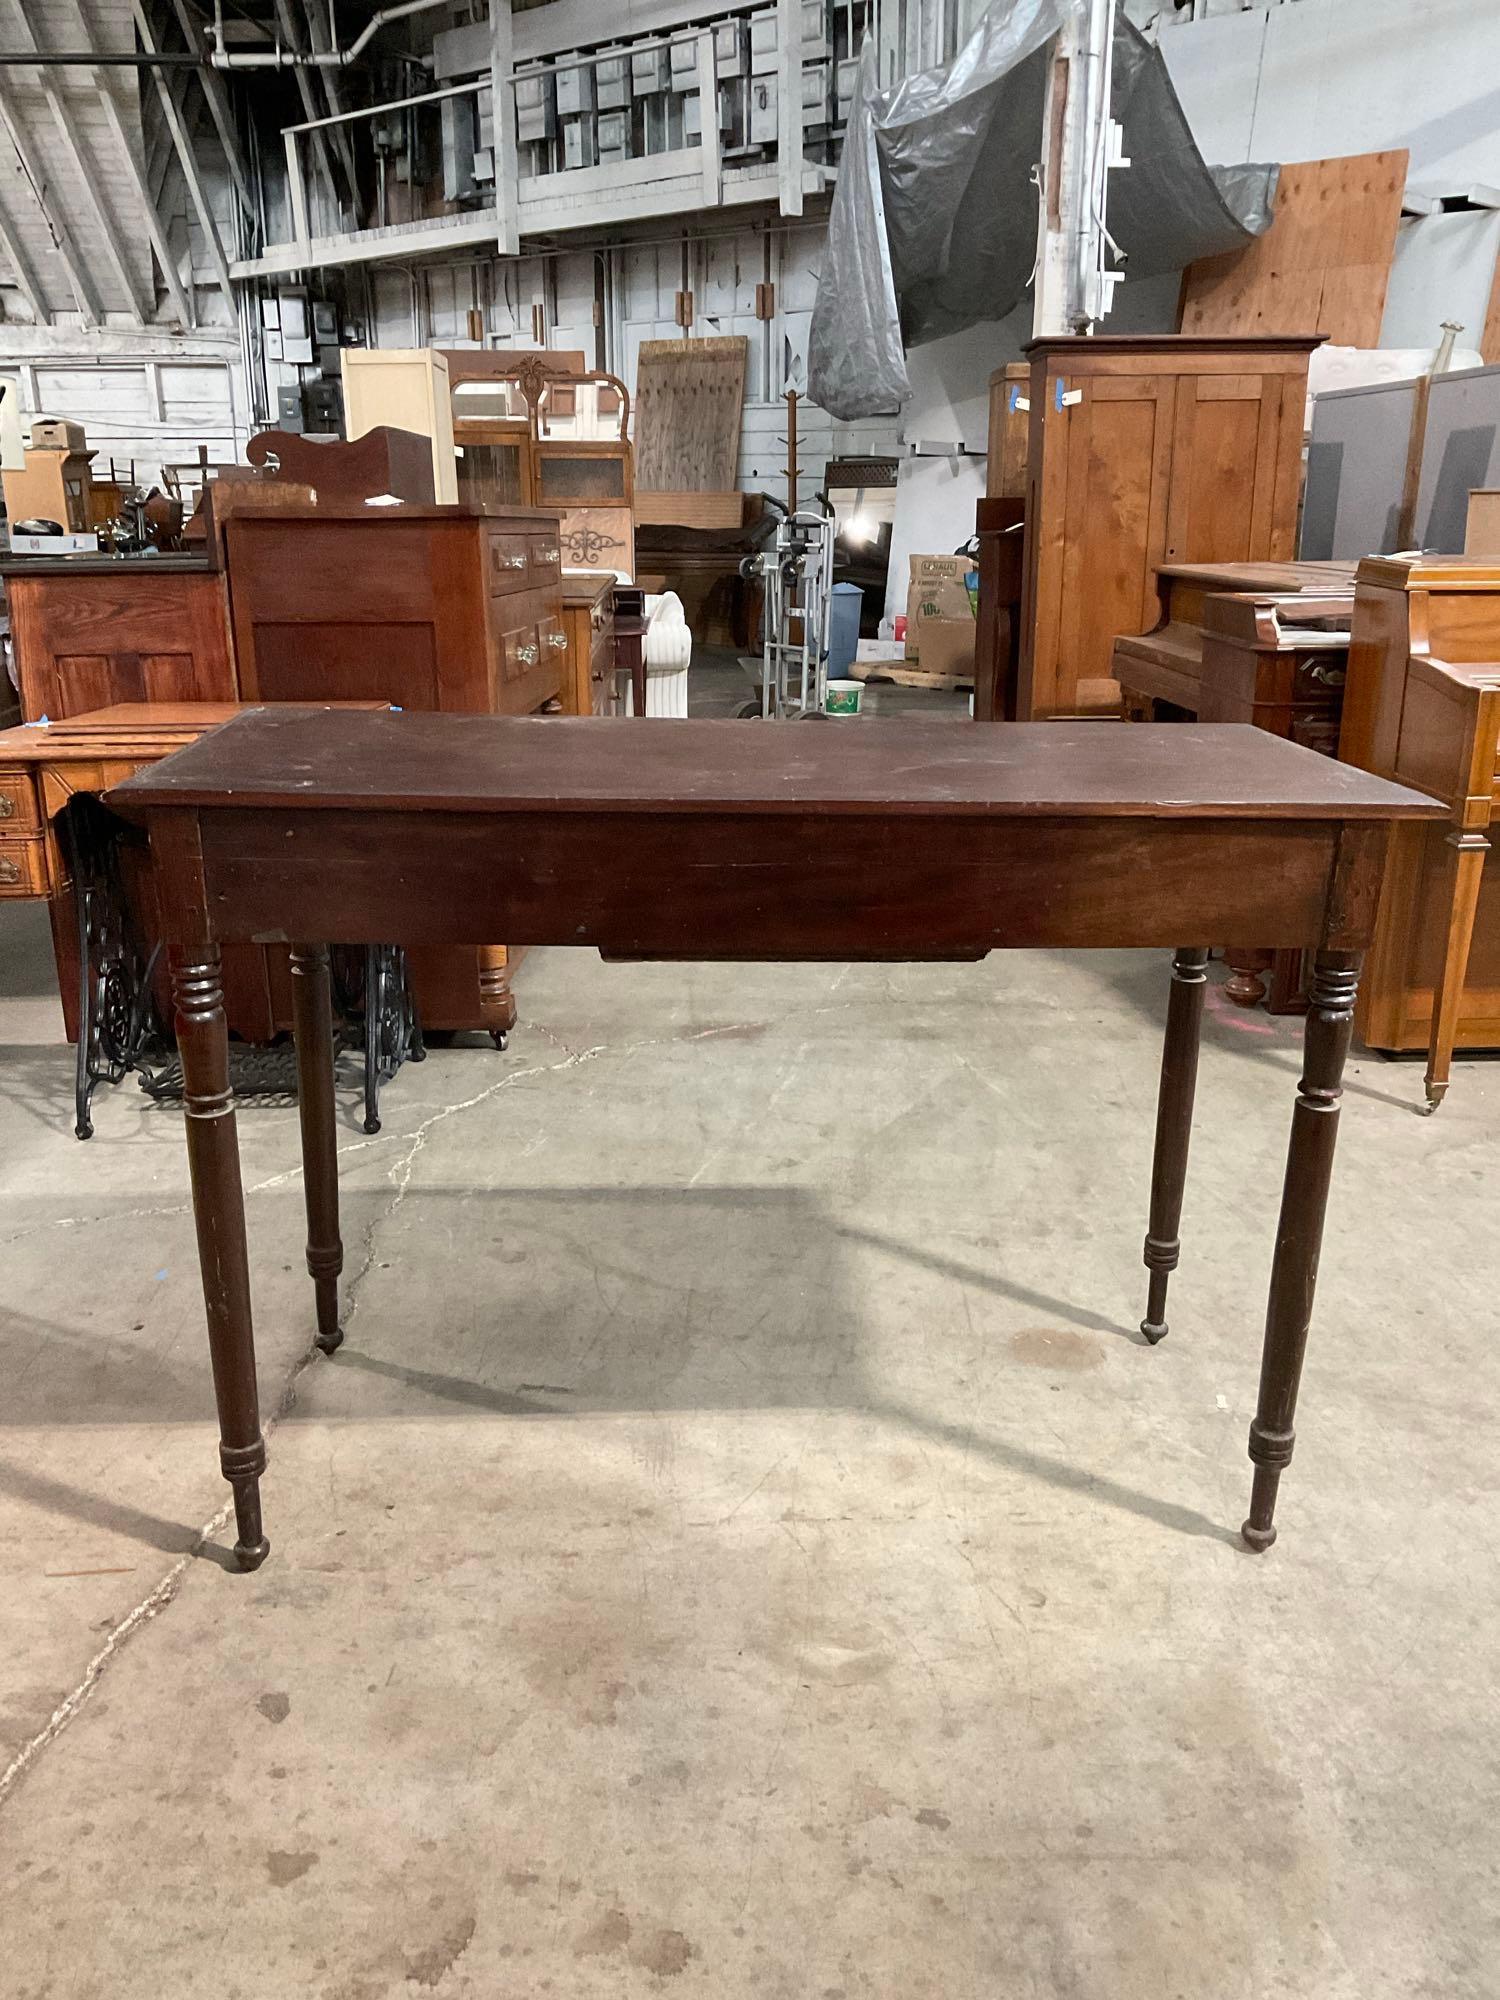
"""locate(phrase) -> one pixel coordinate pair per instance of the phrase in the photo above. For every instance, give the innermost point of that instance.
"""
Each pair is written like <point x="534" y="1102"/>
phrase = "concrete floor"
<point x="743" y="1547"/>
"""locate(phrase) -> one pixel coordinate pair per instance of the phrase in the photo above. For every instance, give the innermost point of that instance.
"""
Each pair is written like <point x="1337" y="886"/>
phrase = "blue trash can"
<point x="843" y="628"/>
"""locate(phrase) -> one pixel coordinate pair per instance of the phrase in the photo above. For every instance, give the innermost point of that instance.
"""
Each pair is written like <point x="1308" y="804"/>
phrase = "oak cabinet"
<point x="1144" y="451"/>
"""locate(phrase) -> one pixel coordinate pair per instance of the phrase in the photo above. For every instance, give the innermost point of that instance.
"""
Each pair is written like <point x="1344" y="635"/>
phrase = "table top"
<point x="295" y="758"/>
<point x="128" y="728"/>
<point x="89" y="564"/>
<point x="1271" y="577"/>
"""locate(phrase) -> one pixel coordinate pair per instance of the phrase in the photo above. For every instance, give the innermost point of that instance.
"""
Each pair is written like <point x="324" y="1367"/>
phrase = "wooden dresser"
<point x="1145" y="451"/>
<point x="452" y="608"/>
<point x="1423" y="704"/>
<point x="588" y="612"/>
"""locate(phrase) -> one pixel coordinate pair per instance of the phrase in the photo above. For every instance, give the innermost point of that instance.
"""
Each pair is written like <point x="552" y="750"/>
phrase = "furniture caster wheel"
<point x="501" y="1038"/>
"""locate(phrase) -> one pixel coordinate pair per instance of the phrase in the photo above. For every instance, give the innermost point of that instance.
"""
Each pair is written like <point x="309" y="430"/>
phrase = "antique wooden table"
<point x="716" y="840"/>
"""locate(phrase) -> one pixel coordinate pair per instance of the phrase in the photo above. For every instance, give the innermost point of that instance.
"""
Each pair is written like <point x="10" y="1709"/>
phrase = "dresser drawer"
<point x="603" y="689"/>
<point x="545" y="554"/>
<point x="510" y="563"/>
<point x="23" y="867"/>
<point x="18" y="810"/>
<point x="553" y="638"/>
<point x="520" y="652"/>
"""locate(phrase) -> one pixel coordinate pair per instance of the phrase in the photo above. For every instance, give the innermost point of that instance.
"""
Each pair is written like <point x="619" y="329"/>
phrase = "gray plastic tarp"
<point x="934" y="219"/>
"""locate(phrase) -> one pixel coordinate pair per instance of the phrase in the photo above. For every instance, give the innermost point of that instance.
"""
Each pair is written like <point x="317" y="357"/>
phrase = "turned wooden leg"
<point x="312" y="1021"/>
<point x="1174" y="1125"/>
<point x="219" y="1213"/>
<point x="1246" y="984"/>
<point x="1299" y="1232"/>
<point x="1465" y="868"/>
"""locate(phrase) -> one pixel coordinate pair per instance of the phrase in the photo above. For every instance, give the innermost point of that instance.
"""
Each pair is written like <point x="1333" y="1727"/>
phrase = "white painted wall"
<point x="1346" y="76"/>
<point x="152" y="398"/>
<point x="1320" y="78"/>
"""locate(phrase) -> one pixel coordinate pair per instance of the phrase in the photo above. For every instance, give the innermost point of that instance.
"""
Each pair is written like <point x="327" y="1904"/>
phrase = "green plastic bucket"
<point x="843" y="697"/>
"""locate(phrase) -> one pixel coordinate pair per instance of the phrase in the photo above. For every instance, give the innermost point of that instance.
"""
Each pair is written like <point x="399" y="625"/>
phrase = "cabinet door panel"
<point x="1224" y="465"/>
<point x="1103" y="510"/>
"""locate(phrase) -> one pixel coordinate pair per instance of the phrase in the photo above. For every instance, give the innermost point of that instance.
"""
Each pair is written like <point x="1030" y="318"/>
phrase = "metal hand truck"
<point x="796" y="574"/>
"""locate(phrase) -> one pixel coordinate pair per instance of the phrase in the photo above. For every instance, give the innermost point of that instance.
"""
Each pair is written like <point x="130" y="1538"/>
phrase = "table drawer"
<point x="18" y="809"/>
<point x="23" y="867"/>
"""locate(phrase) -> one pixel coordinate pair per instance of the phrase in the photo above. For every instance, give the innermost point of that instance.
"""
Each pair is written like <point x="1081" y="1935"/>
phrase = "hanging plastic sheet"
<point x="934" y="219"/>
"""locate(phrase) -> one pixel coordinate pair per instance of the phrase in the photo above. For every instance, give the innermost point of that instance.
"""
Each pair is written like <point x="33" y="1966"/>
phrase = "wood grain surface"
<point x="1323" y="264"/>
<point x="497" y="764"/>
<point x="688" y="401"/>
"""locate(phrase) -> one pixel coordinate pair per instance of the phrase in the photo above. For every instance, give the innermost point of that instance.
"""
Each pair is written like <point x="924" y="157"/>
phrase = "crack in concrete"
<point x="399" y="1174"/>
<point x="166" y="1589"/>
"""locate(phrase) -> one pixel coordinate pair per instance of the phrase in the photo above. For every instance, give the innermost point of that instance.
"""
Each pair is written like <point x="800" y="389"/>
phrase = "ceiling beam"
<point x="34" y="174"/>
<point x="182" y="140"/>
<point x="25" y="277"/>
<point x="220" y="109"/>
<point x="292" y="32"/>
<point x="320" y="30"/>
<point x="63" y="121"/>
<point x="155" y="228"/>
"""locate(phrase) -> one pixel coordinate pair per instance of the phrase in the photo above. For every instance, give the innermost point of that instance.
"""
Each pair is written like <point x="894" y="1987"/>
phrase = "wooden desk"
<point x="1423" y="706"/>
<point x="949" y="842"/>
<point x="93" y="630"/>
<point x="1246" y="642"/>
<point x="1165" y="665"/>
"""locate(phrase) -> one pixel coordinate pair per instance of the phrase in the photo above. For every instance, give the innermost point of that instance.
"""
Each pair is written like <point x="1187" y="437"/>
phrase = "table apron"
<point x="782" y="886"/>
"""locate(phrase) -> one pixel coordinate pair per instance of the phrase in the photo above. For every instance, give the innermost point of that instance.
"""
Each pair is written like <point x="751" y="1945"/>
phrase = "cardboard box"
<point x="940" y="618"/>
<point x="57" y="434"/>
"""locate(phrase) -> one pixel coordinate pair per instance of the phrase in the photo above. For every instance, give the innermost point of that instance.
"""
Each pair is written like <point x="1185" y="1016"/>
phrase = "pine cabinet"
<point x="1143" y="451"/>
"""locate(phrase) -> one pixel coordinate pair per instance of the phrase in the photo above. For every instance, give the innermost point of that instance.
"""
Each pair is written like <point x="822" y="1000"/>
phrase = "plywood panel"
<point x="688" y="399"/>
<point x="1322" y="266"/>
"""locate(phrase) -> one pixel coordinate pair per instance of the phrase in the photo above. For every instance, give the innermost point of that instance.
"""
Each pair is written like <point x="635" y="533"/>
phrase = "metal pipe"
<point x="279" y="58"/>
